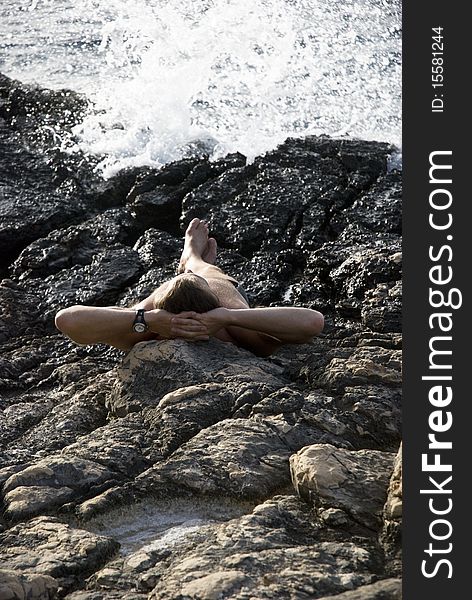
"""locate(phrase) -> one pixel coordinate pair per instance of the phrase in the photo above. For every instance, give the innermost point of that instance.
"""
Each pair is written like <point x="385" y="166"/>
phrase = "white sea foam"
<point x="223" y="75"/>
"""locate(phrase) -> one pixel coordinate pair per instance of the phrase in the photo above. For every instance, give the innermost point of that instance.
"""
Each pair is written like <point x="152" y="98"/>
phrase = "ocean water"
<point x="168" y="78"/>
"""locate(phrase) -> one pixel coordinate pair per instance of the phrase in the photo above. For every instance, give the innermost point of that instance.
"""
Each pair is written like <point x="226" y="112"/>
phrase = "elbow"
<point x="62" y="320"/>
<point x="68" y="323"/>
<point x="315" y="324"/>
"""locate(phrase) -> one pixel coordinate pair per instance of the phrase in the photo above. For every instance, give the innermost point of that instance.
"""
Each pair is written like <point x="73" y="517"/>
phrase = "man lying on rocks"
<point x="199" y="303"/>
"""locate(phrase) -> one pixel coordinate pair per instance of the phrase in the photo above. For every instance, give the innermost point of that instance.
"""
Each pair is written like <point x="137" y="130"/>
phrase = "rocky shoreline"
<point x="304" y="444"/>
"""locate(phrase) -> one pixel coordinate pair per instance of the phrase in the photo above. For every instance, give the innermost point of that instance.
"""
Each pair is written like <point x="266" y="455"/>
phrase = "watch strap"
<point x="139" y="319"/>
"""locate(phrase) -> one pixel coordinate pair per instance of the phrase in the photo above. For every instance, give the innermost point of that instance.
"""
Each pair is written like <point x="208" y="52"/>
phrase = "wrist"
<point x="155" y="319"/>
<point x="230" y="316"/>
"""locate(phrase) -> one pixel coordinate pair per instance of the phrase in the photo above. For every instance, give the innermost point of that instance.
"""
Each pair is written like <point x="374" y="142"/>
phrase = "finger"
<point x="188" y="325"/>
<point x="191" y="337"/>
<point x="188" y="334"/>
<point x="180" y="333"/>
<point x="188" y="314"/>
<point x="185" y="320"/>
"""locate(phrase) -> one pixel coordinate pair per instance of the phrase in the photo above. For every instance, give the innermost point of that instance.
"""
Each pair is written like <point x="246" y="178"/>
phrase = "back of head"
<point x="186" y="294"/>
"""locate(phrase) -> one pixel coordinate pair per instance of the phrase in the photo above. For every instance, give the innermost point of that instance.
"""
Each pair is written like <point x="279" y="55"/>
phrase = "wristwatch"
<point x="139" y="324"/>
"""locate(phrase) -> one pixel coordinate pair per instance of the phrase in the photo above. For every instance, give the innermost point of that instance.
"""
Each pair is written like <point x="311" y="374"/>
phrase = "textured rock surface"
<point x="85" y="430"/>
<point x="280" y="550"/>
<point x="391" y="536"/>
<point x="47" y="547"/>
<point x="353" y="482"/>
<point x="14" y="586"/>
<point x="388" y="589"/>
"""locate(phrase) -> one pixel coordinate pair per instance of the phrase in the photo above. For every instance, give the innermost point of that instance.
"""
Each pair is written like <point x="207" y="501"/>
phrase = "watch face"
<point x="139" y="327"/>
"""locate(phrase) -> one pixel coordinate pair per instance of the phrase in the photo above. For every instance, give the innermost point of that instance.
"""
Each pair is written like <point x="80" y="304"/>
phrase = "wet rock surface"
<point x="88" y="430"/>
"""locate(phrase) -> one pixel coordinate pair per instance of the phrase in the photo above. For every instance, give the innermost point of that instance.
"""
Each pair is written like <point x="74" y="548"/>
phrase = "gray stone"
<point x="51" y="483"/>
<point x="382" y="307"/>
<point x="387" y="589"/>
<point x="277" y="551"/>
<point x="391" y="535"/>
<point x="66" y="416"/>
<point x="18" y="586"/>
<point x="366" y="365"/>
<point x="48" y="548"/>
<point x="355" y="482"/>
<point x="153" y="369"/>
<point x="233" y="457"/>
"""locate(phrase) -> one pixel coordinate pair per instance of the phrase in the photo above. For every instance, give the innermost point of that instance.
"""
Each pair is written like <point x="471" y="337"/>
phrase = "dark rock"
<point x="39" y="362"/>
<point x="379" y="211"/>
<point x="142" y="286"/>
<point x="75" y="245"/>
<point x="24" y="105"/>
<point x="158" y="248"/>
<point x="66" y="416"/>
<point x="376" y="411"/>
<point x="19" y="311"/>
<point x="33" y="200"/>
<point x="99" y="282"/>
<point x="282" y="200"/>
<point x="155" y="199"/>
<point x="382" y="308"/>
<point x="159" y="208"/>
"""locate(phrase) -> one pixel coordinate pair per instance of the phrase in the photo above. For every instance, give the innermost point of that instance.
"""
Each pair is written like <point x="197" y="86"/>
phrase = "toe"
<point x="194" y="223"/>
<point x="209" y="255"/>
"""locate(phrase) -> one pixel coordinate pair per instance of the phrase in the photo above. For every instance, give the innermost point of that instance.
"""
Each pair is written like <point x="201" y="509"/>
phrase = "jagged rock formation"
<point x="305" y="440"/>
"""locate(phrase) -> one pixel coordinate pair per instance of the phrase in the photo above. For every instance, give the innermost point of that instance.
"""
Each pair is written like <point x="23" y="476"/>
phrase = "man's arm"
<point x="290" y="325"/>
<point x="148" y="302"/>
<point x="114" y="326"/>
<point x="263" y="330"/>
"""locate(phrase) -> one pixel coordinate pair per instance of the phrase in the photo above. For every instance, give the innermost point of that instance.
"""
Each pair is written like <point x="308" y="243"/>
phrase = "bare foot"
<point x="209" y="254"/>
<point x="196" y="240"/>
